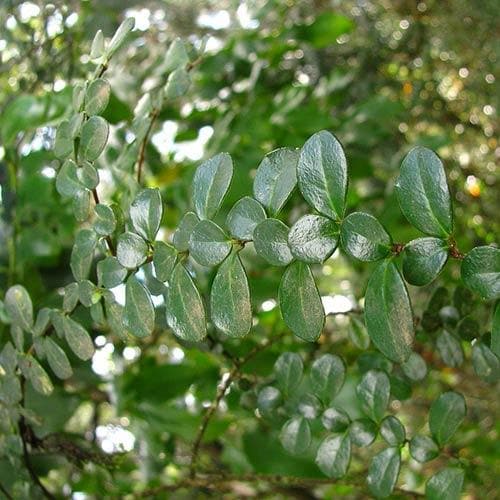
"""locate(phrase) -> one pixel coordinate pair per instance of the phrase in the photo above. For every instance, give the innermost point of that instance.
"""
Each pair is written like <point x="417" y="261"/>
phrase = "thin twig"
<point x="8" y="496"/>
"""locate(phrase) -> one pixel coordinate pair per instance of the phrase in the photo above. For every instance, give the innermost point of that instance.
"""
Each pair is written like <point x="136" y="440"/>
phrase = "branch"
<point x="233" y="374"/>
<point x="7" y="495"/>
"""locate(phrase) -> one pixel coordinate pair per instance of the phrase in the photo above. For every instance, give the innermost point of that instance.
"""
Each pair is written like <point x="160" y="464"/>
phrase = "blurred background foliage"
<point x="381" y="75"/>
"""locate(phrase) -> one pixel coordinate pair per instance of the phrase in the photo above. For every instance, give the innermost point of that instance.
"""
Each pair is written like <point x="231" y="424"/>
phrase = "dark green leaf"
<point x="105" y="222"/>
<point x="88" y="176"/>
<point x="288" y="371"/>
<point x="373" y="393"/>
<point x="57" y="359"/>
<point x="94" y="137"/>
<point x="388" y="313"/>
<point x="445" y="485"/>
<point x="486" y="364"/>
<point x="19" y="306"/>
<point x="82" y="253"/>
<point x="300" y="302"/>
<point x="295" y="436"/>
<point x="481" y="271"/>
<point x="309" y="406"/>
<point x="131" y="251"/>
<point x="208" y="244"/>
<point x="383" y="472"/>
<point x="164" y="258"/>
<point x="334" y="456"/>
<point x="97" y="97"/>
<point x="414" y="367"/>
<point x="183" y="232"/>
<point x="210" y="184"/>
<point x="276" y="178"/>
<point x="364" y="238"/>
<point x="423" y="260"/>
<point x="268" y="400"/>
<point x="271" y="242"/>
<point x="335" y="420"/>
<point x="358" y="334"/>
<point x="67" y="181"/>
<point x="322" y="174"/>
<point x="362" y="432"/>
<point x="313" y="238"/>
<point x="185" y="311"/>
<point x="88" y="293"/>
<point x="230" y="306"/>
<point x="243" y="218"/>
<point x="139" y="313"/>
<point x="110" y="272"/>
<point x="445" y="416"/>
<point x="145" y="213"/>
<point x="78" y="339"/>
<point x="450" y="349"/>
<point x="423" y="448"/>
<point x="423" y="193"/>
<point x="327" y="376"/>
<point x="393" y="431"/>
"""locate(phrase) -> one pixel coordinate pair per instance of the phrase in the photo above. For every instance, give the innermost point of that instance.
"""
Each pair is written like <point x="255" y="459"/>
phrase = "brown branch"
<point x="233" y="374"/>
<point x="144" y="143"/>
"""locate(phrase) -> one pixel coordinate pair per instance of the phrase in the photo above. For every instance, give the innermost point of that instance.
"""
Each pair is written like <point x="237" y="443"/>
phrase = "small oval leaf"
<point x="57" y="359"/>
<point x="78" y="339"/>
<point x="139" y="313"/>
<point x="423" y="260"/>
<point x="383" y="472"/>
<point x="450" y="349"/>
<point x="445" y="485"/>
<point x="97" y="96"/>
<point x="82" y="253"/>
<point x="327" y="376"/>
<point x="295" y="436"/>
<point x="288" y="370"/>
<point x="93" y="138"/>
<point x="334" y="456"/>
<point x="373" y="393"/>
<point x="243" y="218"/>
<point x="19" y="306"/>
<point x="271" y="242"/>
<point x="164" y="258"/>
<point x="481" y="271"/>
<point x="445" y="416"/>
<point x="145" y="213"/>
<point x="393" y="431"/>
<point x="131" y="251"/>
<point x="208" y="245"/>
<point x="181" y="236"/>
<point x="423" y="448"/>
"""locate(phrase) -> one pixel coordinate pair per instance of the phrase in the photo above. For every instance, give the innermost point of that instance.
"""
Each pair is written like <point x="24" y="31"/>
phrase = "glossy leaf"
<point x="164" y="258"/>
<point x="120" y="35"/>
<point x="210" y="184"/>
<point x="208" y="244"/>
<point x="19" y="306"/>
<point x="276" y="178"/>
<point x="78" y="339"/>
<point x="309" y="406"/>
<point x="388" y="313"/>
<point x="327" y="376"/>
<point x="481" y="271"/>
<point x="67" y="181"/>
<point x="295" y="436"/>
<point x="423" y="260"/>
<point x="243" y="218"/>
<point x="268" y="400"/>
<point x="81" y="205"/>
<point x="94" y="137"/>
<point x="57" y="359"/>
<point x="110" y="272"/>
<point x="300" y="303"/>
<point x="334" y="455"/>
<point x="88" y="176"/>
<point x="183" y="232"/>
<point x="335" y="420"/>
<point x="373" y="393"/>
<point x="185" y="311"/>
<point x="446" y="415"/>
<point x="423" y="448"/>
<point x="313" y="238"/>
<point x="364" y="238"/>
<point x="97" y="96"/>
<point x="322" y="174"/>
<point x="450" y="349"/>
<point x="271" y="242"/>
<point x="105" y="222"/>
<point x="383" y="472"/>
<point x="393" y="431"/>
<point x="446" y="484"/>
<point x="82" y="253"/>
<point x="139" y="313"/>
<point x="486" y="364"/>
<point x="358" y="334"/>
<point x="423" y="193"/>
<point x="38" y="377"/>
<point x="230" y="306"/>
<point x="131" y="251"/>
<point x="145" y="213"/>
<point x="414" y="367"/>
<point x="288" y="371"/>
<point x="63" y="142"/>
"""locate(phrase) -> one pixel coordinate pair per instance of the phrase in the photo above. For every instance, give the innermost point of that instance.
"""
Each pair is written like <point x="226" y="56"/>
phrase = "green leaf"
<point x="300" y="302"/>
<point x="450" y="349"/>
<point x="208" y="245"/>
<point x="67" y="181"/>
<point x="42" y="322"/>
<point x="358" y="334"/>
<point x="78" y="339"/>
<point x="322" y="174"/>
<point x="268" y="400"/>
<point x="445" y="416"/>
<point x="423" y="448"/>
<point x="230" y="306"/>
<point x="276" y="178"/>
<point x="414" y="367"/>
<point x="288" y="370"/>
<point x="105" y="222"/>
<point x="295" y="436"/>
<point x="94" y="137"/>
<point x="178" y="83"/>
<point x="486" y="364"/>
<point x="445" y="485"/>
<point x="120" y="36"/>
<point x="364" y="238"/>
<point x="495" y="331"/>
<point x="423" y="260"/>
<point x="313" y="238"/>
<point x="481" y="271"/>
<point x="383" y="472"/>
<point x="327" y="376"/>
<point x="176" y="56"/>
<point x="57" y="359"/>
<point x="309" y="406"/>
<point x="78" y="96"/>
<point x="423" y="193"/>
<point x="110" y="272"/>
<point x="181" y="236"/>
<point x="82" y="253"/>
<point x="70" y="299"/>
<point x="146" y="212"/>
<point x="88" y="176"/>
<point x="88" y="293"/>
<point x="139" y="313"/>
<point x="388" y="313"/>
<point x="335" y="420"/>
<point x="334" y="456"/>
<point x="373" y="393"/>
<point x="8" y="358"/>
<point x="210" y="184"/>
<point x="97" y="47"/>
<point x="362" y="432"/>
<point x="185" y="311"/>
<point x="38" y="377"/>
<point x="63" y="143"/>
<point x="243" y="218"/>
<point x="131" y="251"/>
<point x="81" y="205"/>
<point x="19" y="306"/>
<point x="393" y="431"/>
<point x="271" y="242"/>
<point x="97" y="97"/>
<point x="164" y="258"/>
